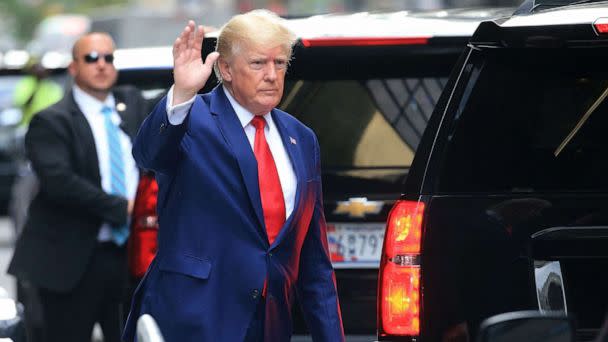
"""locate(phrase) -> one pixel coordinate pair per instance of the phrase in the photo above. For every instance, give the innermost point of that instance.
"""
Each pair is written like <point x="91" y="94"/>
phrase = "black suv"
<point x="505" y="207"/>
<point x="366" y="84"/>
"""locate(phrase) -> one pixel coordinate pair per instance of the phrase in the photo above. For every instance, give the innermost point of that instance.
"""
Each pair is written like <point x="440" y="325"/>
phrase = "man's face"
<point x="92" y="68"/>
<point x="256" y="77"/>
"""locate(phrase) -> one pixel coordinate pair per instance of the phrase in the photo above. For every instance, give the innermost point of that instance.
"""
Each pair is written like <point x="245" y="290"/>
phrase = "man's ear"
<point x="72" y="68"/>
<point x="225" y="70"/>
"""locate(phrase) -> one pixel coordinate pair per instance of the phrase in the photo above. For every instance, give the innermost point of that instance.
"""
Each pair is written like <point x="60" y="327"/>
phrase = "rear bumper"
<point x="357" y="292"/>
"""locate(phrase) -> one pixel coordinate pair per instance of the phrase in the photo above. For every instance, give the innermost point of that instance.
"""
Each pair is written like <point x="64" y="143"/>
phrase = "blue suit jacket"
<point x="214" y="255"/>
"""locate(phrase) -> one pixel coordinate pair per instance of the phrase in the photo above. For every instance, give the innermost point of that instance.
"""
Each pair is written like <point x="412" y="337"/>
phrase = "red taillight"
<point x="601" y="25"/>
<point x="364" y="41"/>
<point x="143" y="241"/>
<point x="404" y="229"/>
<point x="401" y="302"/>
<point x="399" y="280"/>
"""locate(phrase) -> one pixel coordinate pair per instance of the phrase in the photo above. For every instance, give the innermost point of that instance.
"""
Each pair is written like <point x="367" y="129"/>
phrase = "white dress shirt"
<point x="91" y="108"/>
<point x="287" y="176"/>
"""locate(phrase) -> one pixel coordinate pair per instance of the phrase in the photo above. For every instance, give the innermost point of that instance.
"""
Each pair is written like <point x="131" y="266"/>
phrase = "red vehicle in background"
<point x="143" y="243"/>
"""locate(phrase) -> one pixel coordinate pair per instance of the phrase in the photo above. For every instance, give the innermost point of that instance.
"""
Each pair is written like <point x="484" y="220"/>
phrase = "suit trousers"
<point x="99" y="297"/>
<point x="255" y="332"/>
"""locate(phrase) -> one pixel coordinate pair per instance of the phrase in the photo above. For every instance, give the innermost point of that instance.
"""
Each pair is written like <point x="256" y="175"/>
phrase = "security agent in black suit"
<point x="73" y="245"/>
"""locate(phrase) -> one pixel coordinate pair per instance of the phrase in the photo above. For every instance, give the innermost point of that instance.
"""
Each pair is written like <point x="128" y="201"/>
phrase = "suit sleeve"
<point x="49" y="149"/>
<point x="317" y="281"/>
<point x="157" y="145"/>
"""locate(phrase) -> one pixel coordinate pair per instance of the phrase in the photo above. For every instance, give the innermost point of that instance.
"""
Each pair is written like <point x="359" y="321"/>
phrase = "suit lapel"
<point x="290" y="144"/>
<point x="86" y="150"/>
<point x="125" y="114"/>
<point x="237" y="139"/>
<point x="127" y="110"/>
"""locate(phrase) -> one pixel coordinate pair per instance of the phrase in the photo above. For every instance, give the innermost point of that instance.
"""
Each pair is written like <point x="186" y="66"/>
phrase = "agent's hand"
<point x="130" y="205"/>
<point x="189" y="71"/>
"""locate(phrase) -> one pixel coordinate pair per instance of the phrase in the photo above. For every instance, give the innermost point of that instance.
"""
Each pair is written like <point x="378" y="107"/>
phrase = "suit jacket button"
<point x="255" y="293"/>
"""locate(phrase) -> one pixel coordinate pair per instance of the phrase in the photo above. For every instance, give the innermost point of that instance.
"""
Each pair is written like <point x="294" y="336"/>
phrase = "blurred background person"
<point x="36" y="91"/>
<point x="72" y="249"/>
<point x="33" y="93"/>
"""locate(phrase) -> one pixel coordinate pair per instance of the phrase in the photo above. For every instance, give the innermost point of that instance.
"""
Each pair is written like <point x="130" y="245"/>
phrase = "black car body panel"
<point x="511" y="169"/>
<point x="477" y="265"/>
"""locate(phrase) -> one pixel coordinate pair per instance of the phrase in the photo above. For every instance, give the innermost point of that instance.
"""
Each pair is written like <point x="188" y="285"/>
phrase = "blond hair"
<point x="259" y="27"/>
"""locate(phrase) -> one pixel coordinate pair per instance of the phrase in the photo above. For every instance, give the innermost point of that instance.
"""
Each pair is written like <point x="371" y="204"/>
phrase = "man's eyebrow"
<point x="266" y="58"/>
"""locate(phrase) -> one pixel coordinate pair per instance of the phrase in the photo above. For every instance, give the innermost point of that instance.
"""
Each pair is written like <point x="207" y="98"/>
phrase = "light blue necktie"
<point x="117" y="170"/>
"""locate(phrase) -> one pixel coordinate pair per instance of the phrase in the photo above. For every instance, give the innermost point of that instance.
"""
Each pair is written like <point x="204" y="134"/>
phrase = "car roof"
<point x="144" y="58"/>
<point x="571" y="25"/>
<point x="453" y="23"/>
<point x="568" y="15"/>
<point x="444" y="23"/>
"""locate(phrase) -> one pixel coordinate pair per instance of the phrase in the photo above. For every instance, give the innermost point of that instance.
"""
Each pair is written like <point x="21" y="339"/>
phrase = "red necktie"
<point x="271" y="193"/>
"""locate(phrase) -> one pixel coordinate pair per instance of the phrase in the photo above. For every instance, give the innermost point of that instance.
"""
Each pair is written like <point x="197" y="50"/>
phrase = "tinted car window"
<point x="354" y="119"/>
<point x="551" y="102"/>
<point x="386" y="114"/>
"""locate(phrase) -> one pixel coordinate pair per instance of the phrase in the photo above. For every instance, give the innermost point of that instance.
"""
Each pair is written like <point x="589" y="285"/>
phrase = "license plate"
<point x="355" y="245"/>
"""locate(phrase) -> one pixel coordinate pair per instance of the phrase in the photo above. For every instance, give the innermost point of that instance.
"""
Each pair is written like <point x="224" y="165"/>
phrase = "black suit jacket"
<point x="65" y="216"/>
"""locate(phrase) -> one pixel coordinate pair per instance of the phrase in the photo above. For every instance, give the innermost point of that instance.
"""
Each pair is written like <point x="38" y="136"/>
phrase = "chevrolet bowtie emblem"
<point x="358" y="207"/>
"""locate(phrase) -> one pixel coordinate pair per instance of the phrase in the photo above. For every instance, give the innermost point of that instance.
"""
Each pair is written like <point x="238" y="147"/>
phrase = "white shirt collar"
<point x="90" y="104"/>
<point x="243" y="114"/>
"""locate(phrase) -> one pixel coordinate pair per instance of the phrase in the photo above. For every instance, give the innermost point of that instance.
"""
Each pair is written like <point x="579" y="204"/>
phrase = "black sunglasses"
<point x="93" y="57"/>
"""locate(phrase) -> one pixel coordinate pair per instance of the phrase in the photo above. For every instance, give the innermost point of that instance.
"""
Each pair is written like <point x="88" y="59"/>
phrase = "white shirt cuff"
<point x="177" y="114"/>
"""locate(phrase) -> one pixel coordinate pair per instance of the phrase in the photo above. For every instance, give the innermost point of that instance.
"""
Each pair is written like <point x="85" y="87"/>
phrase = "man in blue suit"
<point x="242" y="229"/>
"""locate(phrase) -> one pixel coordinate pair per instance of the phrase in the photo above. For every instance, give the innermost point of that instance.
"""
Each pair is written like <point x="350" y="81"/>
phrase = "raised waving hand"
<point x="189" y="71"/>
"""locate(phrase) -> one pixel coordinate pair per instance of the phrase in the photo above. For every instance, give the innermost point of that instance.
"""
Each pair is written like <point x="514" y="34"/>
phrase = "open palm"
<point x="189" y="71"/>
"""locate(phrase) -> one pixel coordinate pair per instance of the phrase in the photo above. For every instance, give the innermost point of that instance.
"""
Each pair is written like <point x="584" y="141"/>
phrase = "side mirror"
<point x="527" y="326"/>
<point x="147" y="330"/>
